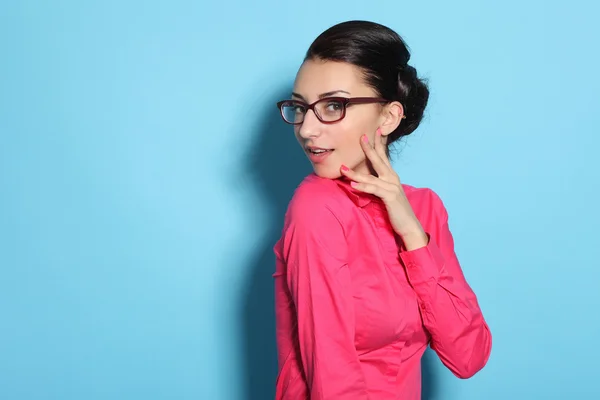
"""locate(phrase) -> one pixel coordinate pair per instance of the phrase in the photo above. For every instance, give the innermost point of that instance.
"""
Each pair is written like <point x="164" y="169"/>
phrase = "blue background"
<point x="144" y="172"/>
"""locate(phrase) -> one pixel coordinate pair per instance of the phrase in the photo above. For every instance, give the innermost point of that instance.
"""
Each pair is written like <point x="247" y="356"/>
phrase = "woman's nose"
<point x="311" y="126"/>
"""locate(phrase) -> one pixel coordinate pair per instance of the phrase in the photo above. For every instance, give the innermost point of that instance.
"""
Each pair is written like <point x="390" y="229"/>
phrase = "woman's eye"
<point x="334" y="106"/>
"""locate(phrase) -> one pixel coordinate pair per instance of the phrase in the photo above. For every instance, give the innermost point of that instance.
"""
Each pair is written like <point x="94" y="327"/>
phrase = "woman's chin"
<point x="327" y="173"/>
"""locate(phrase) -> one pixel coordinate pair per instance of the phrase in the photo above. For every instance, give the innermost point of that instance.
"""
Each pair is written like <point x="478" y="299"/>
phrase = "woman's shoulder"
<point x="426" y="203"/>
<point x="318" y="205"/>
<point x="315" y="196"/>
<point x="313" y="213"/>
<point x="317" y="202"/>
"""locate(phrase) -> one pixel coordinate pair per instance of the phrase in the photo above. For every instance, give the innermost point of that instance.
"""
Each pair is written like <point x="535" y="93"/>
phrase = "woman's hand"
<point x="386" y="185"/>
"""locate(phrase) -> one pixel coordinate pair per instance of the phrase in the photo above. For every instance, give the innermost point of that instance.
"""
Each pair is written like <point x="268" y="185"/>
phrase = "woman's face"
<point x="316" y="79"/>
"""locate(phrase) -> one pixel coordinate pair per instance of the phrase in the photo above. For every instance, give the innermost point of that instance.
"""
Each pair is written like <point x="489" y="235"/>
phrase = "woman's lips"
<point x="318" y="155"/>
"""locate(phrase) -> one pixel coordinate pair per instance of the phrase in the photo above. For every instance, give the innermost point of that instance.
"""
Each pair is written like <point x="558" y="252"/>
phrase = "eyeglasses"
<point x="328" y="109"/>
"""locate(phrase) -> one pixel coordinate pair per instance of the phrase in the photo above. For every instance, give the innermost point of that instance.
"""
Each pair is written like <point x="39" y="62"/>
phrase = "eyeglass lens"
<point x="327" y="110"/>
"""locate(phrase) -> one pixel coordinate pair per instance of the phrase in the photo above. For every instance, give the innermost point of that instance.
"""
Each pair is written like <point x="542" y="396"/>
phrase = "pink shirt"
<point x="355" y="311"/>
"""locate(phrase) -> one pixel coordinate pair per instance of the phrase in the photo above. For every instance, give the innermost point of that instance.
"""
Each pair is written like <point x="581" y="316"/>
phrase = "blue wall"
<point x="144" y="173"/>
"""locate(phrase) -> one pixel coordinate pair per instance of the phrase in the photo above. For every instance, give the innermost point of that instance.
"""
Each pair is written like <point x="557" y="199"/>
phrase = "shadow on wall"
<point x="277" y="166"/>
<point x="430" y="382"/>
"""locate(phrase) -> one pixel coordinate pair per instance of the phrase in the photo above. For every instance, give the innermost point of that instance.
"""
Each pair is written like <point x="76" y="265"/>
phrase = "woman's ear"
<point x="392" y="115"/>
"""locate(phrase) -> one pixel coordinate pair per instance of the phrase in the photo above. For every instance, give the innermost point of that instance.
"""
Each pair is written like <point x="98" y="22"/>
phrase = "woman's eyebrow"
<point x="332" y="93"/>
<point x="322" y="95"/>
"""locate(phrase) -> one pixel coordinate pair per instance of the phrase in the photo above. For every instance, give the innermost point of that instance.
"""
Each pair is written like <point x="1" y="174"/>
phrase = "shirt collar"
<point x="361" y="199"/>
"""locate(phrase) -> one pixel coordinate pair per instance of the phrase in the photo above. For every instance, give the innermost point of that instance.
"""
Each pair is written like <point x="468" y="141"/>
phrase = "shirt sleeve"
<point x="451" y="314"/>
<point x="319" y="283"/>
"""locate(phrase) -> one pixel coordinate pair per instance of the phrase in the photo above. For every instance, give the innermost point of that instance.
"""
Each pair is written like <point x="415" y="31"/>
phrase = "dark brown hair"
<point x="383" y="57"/>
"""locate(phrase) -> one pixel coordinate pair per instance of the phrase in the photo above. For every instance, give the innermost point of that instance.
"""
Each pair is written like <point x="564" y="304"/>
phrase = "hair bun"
<point x="414" y="95"/>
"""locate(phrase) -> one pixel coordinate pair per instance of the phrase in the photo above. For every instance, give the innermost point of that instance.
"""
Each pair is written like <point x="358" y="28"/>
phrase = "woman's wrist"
<point x="414" y="238"/>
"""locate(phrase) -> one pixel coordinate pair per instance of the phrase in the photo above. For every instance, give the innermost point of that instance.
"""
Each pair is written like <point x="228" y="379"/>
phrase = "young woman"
<point x="366" y="274"/>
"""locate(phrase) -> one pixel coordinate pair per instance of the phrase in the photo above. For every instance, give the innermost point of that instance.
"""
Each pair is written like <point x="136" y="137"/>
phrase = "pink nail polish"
<point x="353" y="184"/>
<point x="378" y="131"/>
<point x="365" y="139"/>
<point x="344" y="168"/>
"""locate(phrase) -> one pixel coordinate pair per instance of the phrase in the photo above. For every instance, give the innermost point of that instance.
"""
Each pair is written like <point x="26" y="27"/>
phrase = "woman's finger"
<point x="370" y="188"/>
<point x="380" y="148"/>
<point x="357" y="176"/>
<point x="387" y="187"/>
<point x="372" y="155"/>
<point x="379" y="188"/>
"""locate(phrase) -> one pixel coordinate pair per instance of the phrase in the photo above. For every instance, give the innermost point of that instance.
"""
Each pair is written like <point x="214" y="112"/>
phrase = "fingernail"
<point x="365" y="139"/>
<point x="344" y="168"/>
<point x="353" y="184"/>
<point x="378" y="131"/>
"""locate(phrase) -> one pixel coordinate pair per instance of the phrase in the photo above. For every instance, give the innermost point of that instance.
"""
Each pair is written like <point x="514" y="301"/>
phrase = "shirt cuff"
<point x="423" y="265"/>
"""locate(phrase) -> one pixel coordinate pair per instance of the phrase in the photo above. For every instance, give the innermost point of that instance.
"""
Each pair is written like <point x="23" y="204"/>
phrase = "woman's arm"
<point x="318" y="279"/>
<point x="459" y="334"/>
